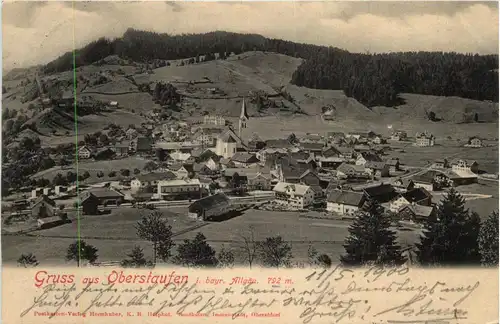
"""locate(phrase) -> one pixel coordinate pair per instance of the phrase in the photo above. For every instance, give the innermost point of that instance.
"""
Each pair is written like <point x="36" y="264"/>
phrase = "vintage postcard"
<point x="281" y="161"/>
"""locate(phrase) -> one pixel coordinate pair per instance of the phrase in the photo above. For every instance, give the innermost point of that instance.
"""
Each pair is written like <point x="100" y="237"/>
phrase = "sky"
<point x="38" y="32"/>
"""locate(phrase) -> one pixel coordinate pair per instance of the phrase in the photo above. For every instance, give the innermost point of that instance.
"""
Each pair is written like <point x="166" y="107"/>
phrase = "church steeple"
<point x="243" y="118"/>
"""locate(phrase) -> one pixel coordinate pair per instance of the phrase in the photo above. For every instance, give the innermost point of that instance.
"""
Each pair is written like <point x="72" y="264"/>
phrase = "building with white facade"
<point x="425" y="139"/>
<point x="293" y="195"/>
<point x="343" y="202"/>
<point x="179" y="188"/>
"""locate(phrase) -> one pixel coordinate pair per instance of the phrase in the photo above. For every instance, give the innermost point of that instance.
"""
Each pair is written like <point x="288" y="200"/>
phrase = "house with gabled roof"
<point x="85" y="152"/>
<point x="377" y="169"/>
<point x="382" y="193"/>
<point x="292" y="195"/>
<point x="244" y="159"/>
<point x="474" y="142"/>
<point x="228" y="143"/>
<point x="150" y="179"/>
<point x="90" y="200"/>
<point x="210" y="207"/>
<point x="418" y="196"/>
<point x="344" y="202"/>
<point x="346" y="171"/>
<point x="43" y="207"/>
<point x="462" y="165"/>
<point x="415" y="213"/>
<point x="367" y="157"/>
<point x="403" y="184"/>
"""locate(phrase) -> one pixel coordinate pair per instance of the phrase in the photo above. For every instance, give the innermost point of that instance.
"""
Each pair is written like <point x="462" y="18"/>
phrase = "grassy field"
<point x="114" y="235"/>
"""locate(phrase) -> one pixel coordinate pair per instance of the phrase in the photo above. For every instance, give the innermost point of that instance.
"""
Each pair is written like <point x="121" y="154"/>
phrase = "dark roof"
<point x="350" y="198"/>
<point x="279" y="143"/>
<point x="44" y="198"/>
<point x="379" y="190"/>
<point x="105" y="193"/>
<point x="405" y="183"/>
<point x="306" y="146"/>
<point x="210" y="202"/>
<point x="393" y="162"/>
<point x="330" y="151"/>
<point x="244" y="157"/>
<point x="375" y="165"/>
<point x="197" y="167"/>
<point x="156" y="176"/>
<point x="370" y="156"/>
<point x="346" y="168"/>
<point x="427" y="177"/>
<point x="143" y="144"/>
<point x="416" y="195"/>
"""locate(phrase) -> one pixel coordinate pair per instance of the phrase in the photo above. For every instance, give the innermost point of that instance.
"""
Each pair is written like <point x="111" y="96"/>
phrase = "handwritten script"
<point x="334" y="295"/>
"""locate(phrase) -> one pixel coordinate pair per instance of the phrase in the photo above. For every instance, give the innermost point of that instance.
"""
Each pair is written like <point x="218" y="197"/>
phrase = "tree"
<point x="125" y="172"/>
<point x="160" y="155"/>
<point x="100" y="174"/>
<point x="80" y="250"/>
<point x="488" y="240"/>
<point x="27" y="260"/>
<point x="226" y="258"/>
<point x="316" y="259"/>
<point x="292" y="138"/>
<point x="112" y="174"/>
<point x="150" y="166"/>
<point x="450" y="237"/>
<point x="156" y="230"/>
<point x="136" y="259"/>
<point x="103" y="139"/>
<point x="196" y="253"/>
<point x="370" y="239"/>
<point x="86" y="175"/>
<point x="275" y="252"/>
<point x="324" y="261"/>
<point x="137" y="171"/>
<point x="249" y="246"/>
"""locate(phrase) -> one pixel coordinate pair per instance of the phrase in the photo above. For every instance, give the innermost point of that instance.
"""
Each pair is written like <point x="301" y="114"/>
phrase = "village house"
<point x="142" y="145"/>
<point x="256" y="144"/>
<point x="207" y="136"/>
<point x="329" y="158"/>
<point x="359" y="135"/>
<point x="312" y="147"/>
<point x="214" y="120"/>
<point x="378" y="140"/>
<point x="182" y="171"/>
<point x="104" y="153"/>
<point x="201" y="169"/>
<point x="399" y="135"/>
<point x="365" y="157"/>
<point x="179" y="189"/>
<point x="121" y="149"/>
<point x="382" y="193"/>
<point x="403" y="185"/>
<point x="92" y="199"/>
<point x="84" y="152"/>
<point x="346" y="171"/>
<point x="259" y="181"/>
<point x="49" y="222"/>
<point x="343" y="202"/>
<point x="150" y="180"/>
<point x="377" y="169"/>
<point x="393" y="164"/>
<point x="37" y="192"/>
<point x="425" y="181"/>
<point x="131" y="133"/>
<point x="346" y="153"/>
<point x="244" y="160"/>
<point x="441" y="164"/>
<point x="43" y="207"/>
<point x="265" y="152"/>
<point x="460" y="165"/>
<point x="418" y="196"/>
<point x="474" y="142"/>
<point x="415" y="213"/>
<point x="292" y="195"/>
<point x="210" y="207"/>
<point x="311" y="138"/>
<point x="425" y="139"/>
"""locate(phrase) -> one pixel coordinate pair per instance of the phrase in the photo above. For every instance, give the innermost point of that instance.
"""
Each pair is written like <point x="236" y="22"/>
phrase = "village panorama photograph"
<point x="248" y="134"/>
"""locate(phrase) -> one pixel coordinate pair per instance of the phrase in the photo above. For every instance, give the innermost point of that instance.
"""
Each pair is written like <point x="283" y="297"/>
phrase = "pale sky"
<point x="38" y="32"/>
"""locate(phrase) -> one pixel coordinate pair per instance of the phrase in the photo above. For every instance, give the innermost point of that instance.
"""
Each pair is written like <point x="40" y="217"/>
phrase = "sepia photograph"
<point x="249" y="134"/>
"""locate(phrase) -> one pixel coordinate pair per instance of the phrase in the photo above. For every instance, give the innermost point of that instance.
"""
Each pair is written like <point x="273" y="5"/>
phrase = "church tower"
<point x="243" y="118"/>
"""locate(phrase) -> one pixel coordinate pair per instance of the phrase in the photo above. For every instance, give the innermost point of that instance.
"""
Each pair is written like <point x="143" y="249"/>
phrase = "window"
<point x="225" y="150"/>
<point x="234" y="150"/>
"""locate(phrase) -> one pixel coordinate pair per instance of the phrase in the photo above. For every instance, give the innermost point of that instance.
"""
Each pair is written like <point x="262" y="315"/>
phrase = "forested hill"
<point x="372" y="79"/>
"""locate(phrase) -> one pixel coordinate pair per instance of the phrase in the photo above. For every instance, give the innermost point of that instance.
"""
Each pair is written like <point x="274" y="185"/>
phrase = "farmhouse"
<point x="418" y="196"/>
<point x="293" y="195"/>
<point x="377" y="169"/>
<point x="90" y="200"/>
<point x="415" y="213"/>
<point x="264" y="153"/>
<point x="210" y="207"/>
<point x="312" y="147"/>
<point x="244" y="160"/>
<point x="382" y="193"/>
<point x="180" y="170"/>
<point x="121" y="149"/>
<point x="474" y="142"/>
<point x="366" y="157"/>
<point x="344" y="202"/>
<point x="425" y="181"/>
<point x="460" y="165"/>
<point x="43" y="207"/>
<point x="393" y="165"/>
<point x="84" y="152"/>
<point x="142" y="145"/>
<point x="180" y="188"/>
<point x="150" y="179"/>
<point x="441" y="164"/>
<point x="49" y="222"/>
<point x="399" y="135"/>
<point x="259" y="181"/>
<point x="403" y="185"/>
<point x="425" y="139"/>
<point x="311" y="138"/>
<point x="131" y="133"/>
<point x="359" y="135"/>
<point x="346" y="170"/>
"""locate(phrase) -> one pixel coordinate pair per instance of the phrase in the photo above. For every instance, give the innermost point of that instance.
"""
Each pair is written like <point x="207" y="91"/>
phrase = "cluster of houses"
<point x="209" y="160"/>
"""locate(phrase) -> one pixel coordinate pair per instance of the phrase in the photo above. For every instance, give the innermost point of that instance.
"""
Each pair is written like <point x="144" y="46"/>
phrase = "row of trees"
<point x="453" y="236"/>
<point x="373" y="79"/>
